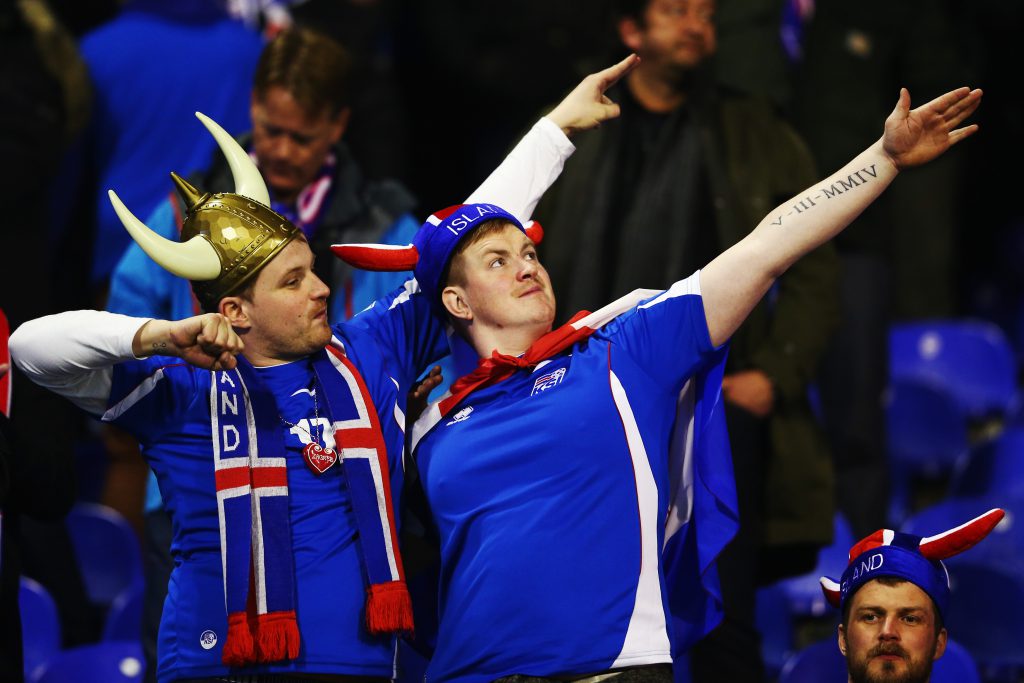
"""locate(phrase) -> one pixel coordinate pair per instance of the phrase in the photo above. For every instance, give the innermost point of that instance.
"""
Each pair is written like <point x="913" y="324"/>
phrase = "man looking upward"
<point x="547" y="468"/>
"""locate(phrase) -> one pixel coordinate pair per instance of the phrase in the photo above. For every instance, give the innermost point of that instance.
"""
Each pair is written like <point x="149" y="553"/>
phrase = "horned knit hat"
<point x="906" y="556"/>
<point x="432" y="246"/>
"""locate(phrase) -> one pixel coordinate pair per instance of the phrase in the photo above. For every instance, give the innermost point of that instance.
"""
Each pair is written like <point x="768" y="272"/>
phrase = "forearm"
<point x="73" y="353"/>
<point x="527" y="172"/>
<point x="735" y="281"/>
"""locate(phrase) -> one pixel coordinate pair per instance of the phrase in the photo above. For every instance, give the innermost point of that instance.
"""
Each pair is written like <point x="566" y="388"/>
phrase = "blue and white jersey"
<point x="165" y="404"/>
<point x="549" y="491"/>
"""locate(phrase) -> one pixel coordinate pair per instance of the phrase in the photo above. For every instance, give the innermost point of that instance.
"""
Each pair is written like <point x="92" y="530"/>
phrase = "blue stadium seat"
<point x="40" y="626"/>
<point x="124" y="618"/>
<point x="775" y="624"/>
<point x="803" y="593"/>
<point x="994" y="470"/>
<point x="822" y="662"/>
<point x="107" y="549"/>
<point x="926" y="429"/>
<point x="972" y="359"/>
<point x="104" y="662"/>
<point x="1003" y="548"/>
<point x="984" y="615"/>
<point x="956" y="666"/>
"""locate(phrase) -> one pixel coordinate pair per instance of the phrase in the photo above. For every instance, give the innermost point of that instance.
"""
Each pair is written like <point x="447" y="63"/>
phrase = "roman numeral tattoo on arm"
<point x="840" y="186"/>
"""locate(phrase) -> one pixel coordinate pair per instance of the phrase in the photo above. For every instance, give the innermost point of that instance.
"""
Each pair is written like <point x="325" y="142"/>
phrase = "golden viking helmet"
<point x="227" y="237"/>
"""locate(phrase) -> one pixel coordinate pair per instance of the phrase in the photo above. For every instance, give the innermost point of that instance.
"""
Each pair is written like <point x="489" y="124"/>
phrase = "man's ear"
<point x="340" y="124"/>
<point x="453" y="298"/>
<point x="630" y="34"/>
<point x="940" y="644"/>
<point x="234" y="309"/>
<point x="841" y="637"/>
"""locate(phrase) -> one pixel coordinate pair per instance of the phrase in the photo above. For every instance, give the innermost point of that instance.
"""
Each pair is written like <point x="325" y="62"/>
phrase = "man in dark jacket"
<point x="685" y="174"/>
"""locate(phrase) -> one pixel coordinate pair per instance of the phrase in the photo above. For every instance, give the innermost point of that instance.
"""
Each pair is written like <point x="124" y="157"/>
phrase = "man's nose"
<point x="889" y="630"/>
<point x="281" y="147"/>
<point x="320" y="289"/>
<point x="527" y="268"/>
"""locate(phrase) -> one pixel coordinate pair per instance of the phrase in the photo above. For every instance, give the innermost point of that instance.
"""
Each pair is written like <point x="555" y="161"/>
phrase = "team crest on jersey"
<point x="548" y="381"/>
<point x="460" y="416"/>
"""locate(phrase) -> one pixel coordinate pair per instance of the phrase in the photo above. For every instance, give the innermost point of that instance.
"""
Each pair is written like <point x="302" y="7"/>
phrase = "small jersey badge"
<point x="460" y="416"/>
<point x="548" y="381"/>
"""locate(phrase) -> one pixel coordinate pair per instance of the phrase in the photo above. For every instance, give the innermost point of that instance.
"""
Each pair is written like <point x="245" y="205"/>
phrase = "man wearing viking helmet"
<point x="300" y="111"/>
<point x="278" y="441"/>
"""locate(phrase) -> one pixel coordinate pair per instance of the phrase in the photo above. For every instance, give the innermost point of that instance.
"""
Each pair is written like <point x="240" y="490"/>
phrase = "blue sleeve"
<point x="666" y="335"/>
<point x="368" y="286"/>
<point x="149" y="396"/>
<point x="407" y="330"/>
<point x="141" y="288"/>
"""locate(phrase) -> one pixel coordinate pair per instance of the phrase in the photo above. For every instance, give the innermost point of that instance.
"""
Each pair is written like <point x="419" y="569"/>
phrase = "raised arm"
<point x="73" y="353"/>
<point x="735" y="281"/>
<point x="536" y="162"/>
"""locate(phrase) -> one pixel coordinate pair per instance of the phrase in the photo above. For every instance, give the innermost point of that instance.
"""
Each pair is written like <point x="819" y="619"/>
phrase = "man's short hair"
<point x="630" y="9"/>
<point x="891" y="582"/>
<point x="313" y="68"/>
<point x="454" y="273"/>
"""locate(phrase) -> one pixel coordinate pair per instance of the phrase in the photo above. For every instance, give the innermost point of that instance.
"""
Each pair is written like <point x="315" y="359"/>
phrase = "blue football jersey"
<point x="549" y="491"/>
<point x="165" y="403"/>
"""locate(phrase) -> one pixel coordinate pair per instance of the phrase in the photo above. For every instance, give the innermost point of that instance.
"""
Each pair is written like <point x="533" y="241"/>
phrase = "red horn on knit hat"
<point x="379" y="257"/>
<point x="963" y="537"/>
<point x="393" y="258"/>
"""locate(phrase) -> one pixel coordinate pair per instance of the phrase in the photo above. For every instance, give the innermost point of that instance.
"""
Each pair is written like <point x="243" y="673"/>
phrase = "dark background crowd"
<point x="440" y="91"/>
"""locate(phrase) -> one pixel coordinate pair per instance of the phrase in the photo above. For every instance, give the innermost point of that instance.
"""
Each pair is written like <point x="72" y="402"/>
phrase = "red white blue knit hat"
<point x="916" y="559"/>
<point x="433" y="244"/>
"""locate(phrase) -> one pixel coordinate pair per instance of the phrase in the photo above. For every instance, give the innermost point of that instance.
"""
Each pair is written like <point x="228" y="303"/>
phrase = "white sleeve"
<point x="73" y="353"/>
<point x="527" y="172"/>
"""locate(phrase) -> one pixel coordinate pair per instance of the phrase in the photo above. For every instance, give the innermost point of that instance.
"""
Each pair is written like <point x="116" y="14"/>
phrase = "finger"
<point x="226" y="361"/>
<point x="903" y="104"/>
<point x="964" y="108"/>
<point x="961" y="133"/>
<point x="4" y="367"/>
<point x="944" y="102"/>
<point x="610" y="76"/>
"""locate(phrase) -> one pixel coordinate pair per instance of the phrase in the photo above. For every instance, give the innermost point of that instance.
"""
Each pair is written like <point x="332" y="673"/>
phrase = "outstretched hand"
<point x="913" y="137"/>
<point x="587" y="106"/>
<point x="206" y="341"/>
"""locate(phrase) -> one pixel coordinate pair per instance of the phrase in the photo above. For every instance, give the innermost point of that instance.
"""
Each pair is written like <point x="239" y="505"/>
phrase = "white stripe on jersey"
<point x="646" y="639"/>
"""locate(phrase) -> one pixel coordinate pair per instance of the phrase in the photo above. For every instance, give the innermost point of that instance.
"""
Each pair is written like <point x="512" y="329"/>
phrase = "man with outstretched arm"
<point x="276" y="438"/>
<point x="547" y="469"/>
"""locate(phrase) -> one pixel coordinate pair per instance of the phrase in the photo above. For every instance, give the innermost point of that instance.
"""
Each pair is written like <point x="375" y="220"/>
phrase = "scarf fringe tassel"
<point x="388" y="608"/>
<point x="276" y="638"/>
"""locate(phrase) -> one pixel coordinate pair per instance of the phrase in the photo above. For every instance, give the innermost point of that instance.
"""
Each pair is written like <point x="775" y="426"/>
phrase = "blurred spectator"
<point x="897" y="257"/>
<point x="687" y="172"/>
<point x="44" y="100"/>
<point x="300" y="108"/>
<point x="379" y="129"/>
<point x="151" y="67"/>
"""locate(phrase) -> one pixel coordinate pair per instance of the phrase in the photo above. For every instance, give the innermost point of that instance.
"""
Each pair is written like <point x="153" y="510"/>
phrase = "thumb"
<point x="902" y="109"/>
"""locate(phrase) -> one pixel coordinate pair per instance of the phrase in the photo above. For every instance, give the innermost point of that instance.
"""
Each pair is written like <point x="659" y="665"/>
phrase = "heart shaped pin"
<point x="318" y="458"/>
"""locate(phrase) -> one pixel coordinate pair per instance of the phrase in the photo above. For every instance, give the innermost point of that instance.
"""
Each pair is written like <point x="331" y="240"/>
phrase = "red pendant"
<point x="318" y="458"/>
